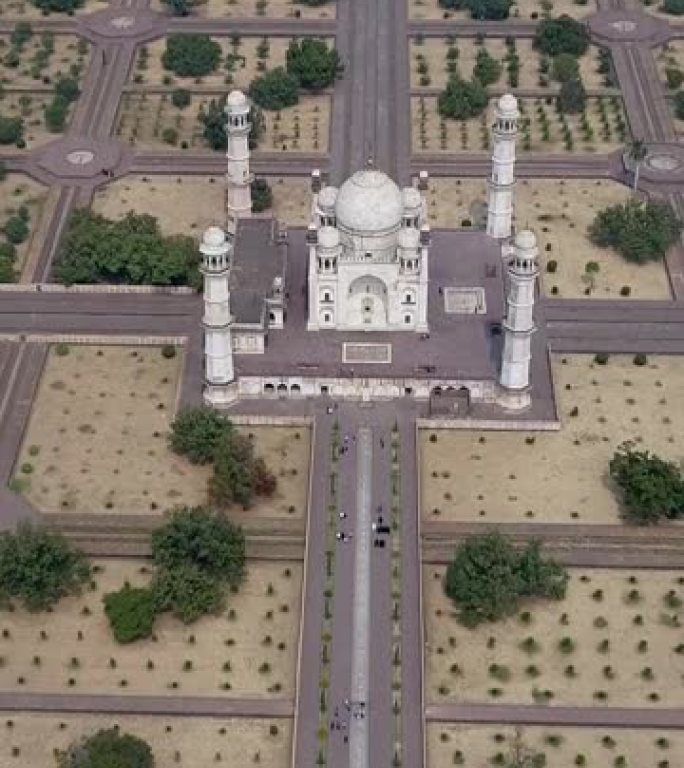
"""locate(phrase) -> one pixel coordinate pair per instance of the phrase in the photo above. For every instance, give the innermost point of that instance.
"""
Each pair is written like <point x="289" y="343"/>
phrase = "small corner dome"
<point x="236" y="99"/>
<point x="214" y="237"/>
<point x="369" y="202"/>
<point x="326" y="198"/>
<point x="412" y="198"/>
<point x="507" y="104"/>
<point x="328" y="237"/>
<point x="408" y="238"/>
<point x="525" y="240"/>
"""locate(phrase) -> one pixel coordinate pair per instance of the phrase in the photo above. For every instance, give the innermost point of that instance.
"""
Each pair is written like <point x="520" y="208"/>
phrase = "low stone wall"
<point x="499" y="425"/>
<point x="270" y="421"/>
<point x="99" y="339"/>
<point x="95" y="288"/>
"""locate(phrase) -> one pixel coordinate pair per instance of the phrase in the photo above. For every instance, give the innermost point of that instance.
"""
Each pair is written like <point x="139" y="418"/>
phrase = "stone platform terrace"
<point x="461" y="348"/>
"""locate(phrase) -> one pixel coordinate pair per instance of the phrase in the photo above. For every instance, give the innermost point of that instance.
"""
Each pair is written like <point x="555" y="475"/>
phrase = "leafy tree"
<point x="561" y="35"/>
<point x="39" y="567"/>
<point x="181" y="98"/>
<point x="313" y="64"/>
<point x="197" y="538"/>
<point x="488" y="577"/>
<point x="16" y="229"/>
<point x="7" y="273"/>
<point x="492" y="10"/>
<point x="21" y="34"/>
<point x="60" y="6"/>
<point x="640" y="232"/>
<point x="276" y="89"/>
<point x="678" y="105"/>
<point x="262" y="195"/>
<point x="11" y="129"/>
<point x="233" y="478"/>
<point x="195" y="433"/>
<point x="56" y="114"/>
<point x="108" y="749"/>
<point x="487" y="69"/>
<point x="572" y="98"/>
<point x="461" y="99"/>
<point x="187" y="591"/>
<point x="674" y="7"/>
<point x="131" y="613"/>
<point x="131" y="251"/>
<point x="179" y="7"/>
<point x="650" y="488"/>
<point x="674" y="77"/>
<point x="67" y="88"/>
<point x="191" y="55"/>
<point x="565" y="67"/>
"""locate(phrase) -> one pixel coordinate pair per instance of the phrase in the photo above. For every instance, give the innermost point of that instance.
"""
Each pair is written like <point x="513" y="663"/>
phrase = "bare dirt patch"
<point x="433" y="53"/>
<point x="16" y="191"/>
<point x="610" y="656"/>
<point x="184" y="740"/>
<point x="250" y="649"/>
<point x="560" y="476"/>
<point x="476" y="746"/>
<point x="151" y="121"/>
<point x="101" y="411"/>
<point x="602" y="128"/>
<point x="267" y="8"/>
<point x="190" y="204"/>
<point x="98" y="413"/>
<point x="560" y="213"/>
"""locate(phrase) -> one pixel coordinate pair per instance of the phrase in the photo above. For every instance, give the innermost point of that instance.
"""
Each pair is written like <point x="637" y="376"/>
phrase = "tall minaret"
<point x="239" y="197"/>
<point x="500" y="186"/>
<point x="518" y="325"/>
<point x="218" y="350"/>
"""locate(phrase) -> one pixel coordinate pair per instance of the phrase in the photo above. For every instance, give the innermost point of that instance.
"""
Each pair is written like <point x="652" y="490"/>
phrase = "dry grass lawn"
<point x="557" y="476"/>
<point x="230" y="654"/>
<point x="174" y="740"/>
<point x="610" y="657"/>
<point x="267" y="8"/>
<point x="602" y="129"/>
<point x="101" y="411"/>
<point x="521" y="9"/>
<point x="24" y="10"/>
<point x="145" y="120"/>
<point x="560" y="213"/>
<point x="473" y="746"/>
<point x="240" y="74"/>
<point x="66" y="54"/>
<point x="17" y="190"/>
<point x="190" y="204"/>
<point x="434" y="53"/>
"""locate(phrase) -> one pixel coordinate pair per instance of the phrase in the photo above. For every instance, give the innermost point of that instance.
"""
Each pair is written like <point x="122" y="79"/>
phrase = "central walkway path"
<point x="360" y="684"/>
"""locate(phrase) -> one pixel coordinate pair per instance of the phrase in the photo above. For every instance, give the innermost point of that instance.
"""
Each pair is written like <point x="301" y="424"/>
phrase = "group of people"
<point x="357" y="711"/>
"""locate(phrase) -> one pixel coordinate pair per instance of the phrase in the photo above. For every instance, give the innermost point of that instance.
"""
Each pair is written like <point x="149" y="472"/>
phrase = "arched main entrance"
<point x="368" y="302"/>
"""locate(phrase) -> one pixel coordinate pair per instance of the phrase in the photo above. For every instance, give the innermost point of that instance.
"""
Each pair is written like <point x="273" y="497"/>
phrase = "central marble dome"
<point x="368" y="202"/>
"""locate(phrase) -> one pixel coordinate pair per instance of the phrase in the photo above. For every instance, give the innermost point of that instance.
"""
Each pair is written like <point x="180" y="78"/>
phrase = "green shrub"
<point x="262" y="195"/>
<point x="274" y="90"/>
<point x="16" y="230"/>
<point x="650" y="488"/>
<point x="131" y="613"/>
<point x="38" y="567"/>
<point x="488" y="577"/>
<point x="639" y="231"/>
<point x="181" y="98"/>
<point x="108" y="749"/>
<point x="313" y="64"/>
<point x="461" y="100"/>
<point x="561" y="35"/>
<point x="191" y="55"/>
<point x="11" y="129"/>
<point x="674" y="7"/>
